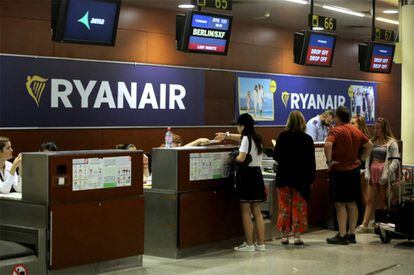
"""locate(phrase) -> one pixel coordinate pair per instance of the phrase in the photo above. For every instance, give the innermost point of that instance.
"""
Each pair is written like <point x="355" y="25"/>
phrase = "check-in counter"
<point x="320" y="205"/>
<point x="87" y="208"/>
<point x="190" y="207"/>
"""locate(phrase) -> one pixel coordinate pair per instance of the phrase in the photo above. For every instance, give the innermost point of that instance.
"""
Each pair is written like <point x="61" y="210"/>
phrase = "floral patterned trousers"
<point x="293" y="211"/>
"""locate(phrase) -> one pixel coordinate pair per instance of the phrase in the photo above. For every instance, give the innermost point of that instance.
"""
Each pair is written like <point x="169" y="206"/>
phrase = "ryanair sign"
<point x="61" y="90"/>
<point x="270" y="98"/>
<point x="47" y="92"/>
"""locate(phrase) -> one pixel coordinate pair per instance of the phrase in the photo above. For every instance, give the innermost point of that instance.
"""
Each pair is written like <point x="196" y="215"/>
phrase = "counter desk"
<point x="190" y="207"/>
<point x="81" y="211"/>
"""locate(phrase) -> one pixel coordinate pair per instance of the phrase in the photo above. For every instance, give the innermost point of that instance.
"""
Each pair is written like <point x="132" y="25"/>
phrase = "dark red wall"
<point x="147" y="35"/>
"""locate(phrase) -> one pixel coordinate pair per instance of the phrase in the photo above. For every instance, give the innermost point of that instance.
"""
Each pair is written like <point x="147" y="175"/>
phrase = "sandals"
<point x="284" y="241"/>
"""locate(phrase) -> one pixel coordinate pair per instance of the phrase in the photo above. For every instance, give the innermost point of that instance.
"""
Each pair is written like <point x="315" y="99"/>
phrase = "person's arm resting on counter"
<point x="225" y="136"/>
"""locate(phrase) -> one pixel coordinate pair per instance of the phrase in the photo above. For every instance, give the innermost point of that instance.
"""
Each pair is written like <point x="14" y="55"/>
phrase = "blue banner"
<point x="270" y="98"/>
<point x="50" y="92"/>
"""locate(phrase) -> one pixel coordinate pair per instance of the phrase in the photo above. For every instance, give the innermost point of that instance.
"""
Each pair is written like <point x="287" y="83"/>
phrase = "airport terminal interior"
<point x="206" y="137"/>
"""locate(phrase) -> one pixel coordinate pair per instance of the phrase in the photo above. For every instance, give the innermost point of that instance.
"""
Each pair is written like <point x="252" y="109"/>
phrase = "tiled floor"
<point x="369" y="256"/>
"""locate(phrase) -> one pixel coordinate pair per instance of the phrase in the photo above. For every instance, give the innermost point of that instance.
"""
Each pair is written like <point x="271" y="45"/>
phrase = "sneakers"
<point x="245" y="248"/>
<point x="338" y="239"/>
<point x="363" y="229"/>
<point x="260" y="247"/>
<point x="351" y="238"/>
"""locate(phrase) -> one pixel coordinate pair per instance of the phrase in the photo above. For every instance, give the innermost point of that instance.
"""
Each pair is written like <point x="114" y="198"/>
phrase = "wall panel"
<point x="147" y="35"/>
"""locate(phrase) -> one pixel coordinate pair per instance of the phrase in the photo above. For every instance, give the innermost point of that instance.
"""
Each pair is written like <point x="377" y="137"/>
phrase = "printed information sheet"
<point x="320" y="159"/>
<point x="205" y="166"/>
<point x="98" y="173"/>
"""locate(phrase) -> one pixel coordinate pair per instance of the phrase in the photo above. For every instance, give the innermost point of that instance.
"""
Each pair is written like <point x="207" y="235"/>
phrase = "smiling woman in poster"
<point x="9" y="180"/>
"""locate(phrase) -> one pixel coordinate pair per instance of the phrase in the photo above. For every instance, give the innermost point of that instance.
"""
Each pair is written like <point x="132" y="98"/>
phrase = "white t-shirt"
<point x="256" y="158"/>
<point x="8" y="181"/>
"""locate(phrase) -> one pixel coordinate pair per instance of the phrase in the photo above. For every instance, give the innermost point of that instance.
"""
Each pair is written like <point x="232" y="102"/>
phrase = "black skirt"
<point x="250" y="185"/>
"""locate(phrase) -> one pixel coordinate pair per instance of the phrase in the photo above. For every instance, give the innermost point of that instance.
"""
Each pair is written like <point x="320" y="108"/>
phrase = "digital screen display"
<point x="90" y="21"/>
<point x="208" y="33"/>
<point x="320" y="49"/>
<point x="381" y="58"/>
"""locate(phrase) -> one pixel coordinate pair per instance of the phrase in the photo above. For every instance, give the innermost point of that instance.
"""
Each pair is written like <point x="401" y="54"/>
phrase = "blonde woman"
<point x="296" y="167"/>
<point x="378" y="169"/>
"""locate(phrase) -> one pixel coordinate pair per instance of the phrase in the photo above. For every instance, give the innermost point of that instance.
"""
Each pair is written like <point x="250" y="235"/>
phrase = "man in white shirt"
<point x="317" y="127"/>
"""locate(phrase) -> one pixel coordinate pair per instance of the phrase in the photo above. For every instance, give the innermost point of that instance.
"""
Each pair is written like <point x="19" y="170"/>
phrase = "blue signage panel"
<point x="210" y="22"/>
<point x="270" y="98"/>
<point x="49" y="92"/>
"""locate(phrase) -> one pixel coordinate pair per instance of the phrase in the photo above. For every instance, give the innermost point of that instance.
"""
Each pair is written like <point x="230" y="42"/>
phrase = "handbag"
<point x="233" y="155"/>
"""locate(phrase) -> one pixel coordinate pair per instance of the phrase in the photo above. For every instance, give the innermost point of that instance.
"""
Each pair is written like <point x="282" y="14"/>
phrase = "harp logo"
<point x="35" y="85"/>
<point x="285" y="98"/>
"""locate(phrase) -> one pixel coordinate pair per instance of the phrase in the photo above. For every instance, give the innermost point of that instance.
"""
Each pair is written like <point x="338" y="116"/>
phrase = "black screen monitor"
<point x="314" y="48"/>
<point x="179" y="30"/>
<point x="207" y="33"/>
<point x="376" y="57"/>
<point x="85" y="21"/>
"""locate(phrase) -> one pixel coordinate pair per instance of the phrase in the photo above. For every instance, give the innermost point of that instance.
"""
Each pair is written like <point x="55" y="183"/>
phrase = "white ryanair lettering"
<point x="310" y="101"/>
<point x="126" y="95"/>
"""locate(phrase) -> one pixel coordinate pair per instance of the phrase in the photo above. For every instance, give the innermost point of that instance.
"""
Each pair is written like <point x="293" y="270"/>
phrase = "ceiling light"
<point x="303" y="2"/>
<point x="186" y="6"/>
<point x="390" y="11"/>
<point x="387" y="20"/>
<point x="343" y="10"/>
<point x="317" y="29"/>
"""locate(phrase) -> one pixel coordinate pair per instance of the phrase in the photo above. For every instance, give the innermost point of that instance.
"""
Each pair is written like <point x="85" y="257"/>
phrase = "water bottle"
<point x="168" y="138"/>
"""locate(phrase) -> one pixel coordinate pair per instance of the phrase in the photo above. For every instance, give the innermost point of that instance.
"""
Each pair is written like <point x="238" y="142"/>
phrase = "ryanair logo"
<point x="35" y="85"/>
<point x="94" y="94"/>
<point x="285" y="98"/>
<point x="311" y="101"/>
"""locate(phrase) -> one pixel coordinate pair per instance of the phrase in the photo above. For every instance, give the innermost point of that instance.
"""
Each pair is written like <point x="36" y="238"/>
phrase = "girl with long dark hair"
<point x="249" y="181"/>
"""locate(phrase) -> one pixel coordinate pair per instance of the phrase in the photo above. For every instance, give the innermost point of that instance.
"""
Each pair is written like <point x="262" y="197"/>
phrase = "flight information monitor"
<point x="320" y="49"/>
<point x="87" y="21"/>
<point x="207" y="33"/>
<point x="381" y="58"/>
<point x="376" y="57"/>
<point x="314" y="48"/>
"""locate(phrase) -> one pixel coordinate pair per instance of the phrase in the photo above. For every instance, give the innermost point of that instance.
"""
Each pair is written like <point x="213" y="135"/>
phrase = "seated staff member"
<point x="145" y="159"/>
<point x="9" y="179"/>
<point x="48" y="146"/>
<point x="318" y="126"/>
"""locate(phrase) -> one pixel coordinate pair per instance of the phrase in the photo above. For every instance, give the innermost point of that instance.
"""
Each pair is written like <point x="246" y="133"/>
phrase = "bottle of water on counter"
<point x="168" y="138"/>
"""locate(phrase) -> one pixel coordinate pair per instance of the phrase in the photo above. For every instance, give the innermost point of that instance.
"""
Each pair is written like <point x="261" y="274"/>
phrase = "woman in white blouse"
<point x="9" y="179"/>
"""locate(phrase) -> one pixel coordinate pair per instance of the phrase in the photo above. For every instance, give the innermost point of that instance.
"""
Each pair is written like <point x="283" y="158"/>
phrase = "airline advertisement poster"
<point x="51" y="92"/>
<point x="270" y="98"/>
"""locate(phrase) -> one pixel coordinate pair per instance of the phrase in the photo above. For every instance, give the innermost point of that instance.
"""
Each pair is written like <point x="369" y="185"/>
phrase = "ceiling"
<point x="293" y="16"/>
